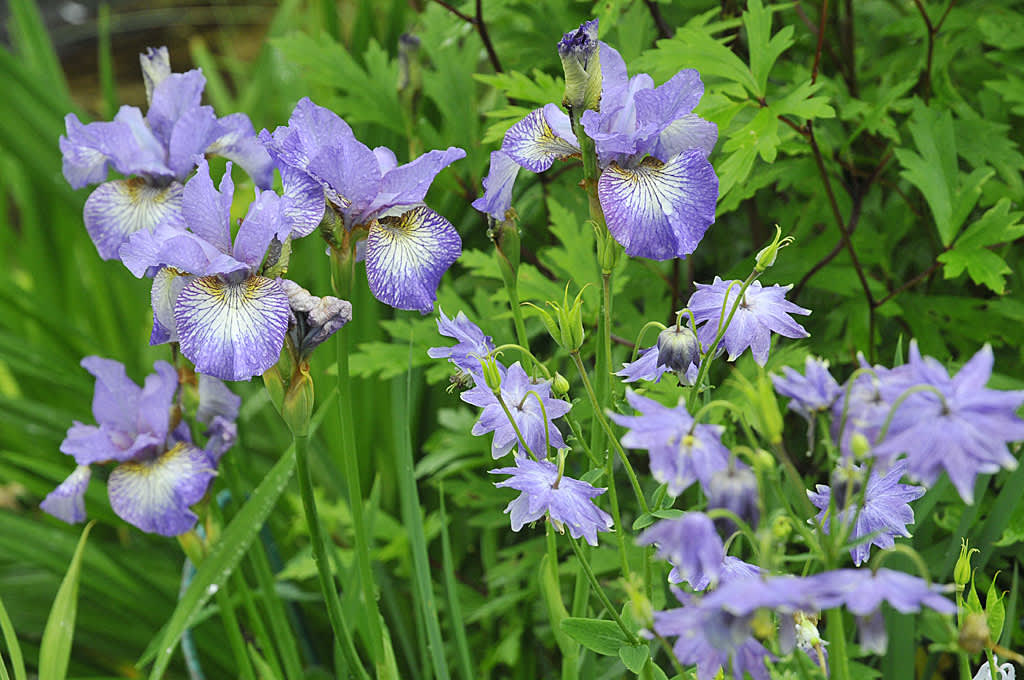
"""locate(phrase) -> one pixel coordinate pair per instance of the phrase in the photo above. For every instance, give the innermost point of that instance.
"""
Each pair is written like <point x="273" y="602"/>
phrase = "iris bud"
<point x="580" y="53"/>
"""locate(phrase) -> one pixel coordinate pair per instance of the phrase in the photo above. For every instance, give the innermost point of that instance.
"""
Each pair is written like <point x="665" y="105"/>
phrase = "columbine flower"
<point x="646" y="367"/>
<point x="863" y="591"/>
<point x="657" y="188"/>
<point x="210" y="294"/>
<point x="761" y="312"/>
<point x="568" y="501"/>
<point x="679" y="456"/>
<point x="160" y="472"/>
<point x="959" y="425"/>
<point x="864" y="404"/>
<point x="814" y="391"/>
<point x="691" y="544"/>
<point x="734" y="489"/>
<point x="885" y="514"/>
<point x="156" y="153"/>
<point x="408" y="246"/>
<point x="516" y="389"/>
<point x="472" y="343"/>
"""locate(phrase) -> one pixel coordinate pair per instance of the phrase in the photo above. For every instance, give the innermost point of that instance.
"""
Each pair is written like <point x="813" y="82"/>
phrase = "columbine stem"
<point x="601" y="594"/>
<point x="320" y="559"/>
<point x="838" y="659"/>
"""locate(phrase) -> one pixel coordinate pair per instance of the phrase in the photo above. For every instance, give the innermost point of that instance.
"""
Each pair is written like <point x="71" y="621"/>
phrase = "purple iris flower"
<point x="408" y="246"/>
<point x="691" y="544"/>
<point x="657" y="188"/>
<point x="156" y="153"/>
<point x="761" y="312"/>
<point x="209" y="294"/>
<point x="679" y="456"/>
<point x="885" y="514"/>
<point x="964" y="431"/>
<point x="863" y="592"/>
<point x="814" y="391"/>
<point x="516" y="388"/>
<point x="160" y="472"/>
<point x="568" y="501"/>
<point x="472" y="344"/>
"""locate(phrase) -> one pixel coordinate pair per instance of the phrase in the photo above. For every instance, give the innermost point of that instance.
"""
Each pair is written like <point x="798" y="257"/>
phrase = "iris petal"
<point x="406" y="257"/>
<point x="539" y="139"/>
<point x="232" y="331"/>
<point x="67" y="501"/>
<point x="660" y="210"/>
<point x="118" y="209"/>
<point x="155" y="495"/>
<point x="501" y="177"/>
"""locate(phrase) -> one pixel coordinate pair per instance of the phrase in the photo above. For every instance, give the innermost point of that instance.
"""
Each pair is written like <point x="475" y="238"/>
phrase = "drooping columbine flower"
<point x="679" y="456"/>
<point x="408" y="246"/>
<point x="657" y="188"/>
<point x="568" y="501"/>
<point x="471" y="346"/>
<point x="156" y="153"/>
<point x="160" y="471"/>
<point x="691" y="544"/>
<point x="862" y="591"/>
<point x="210" y="294"/>
<point x="814" y="391"/>
<point x="958" y="424"/>
<point x="734" y="489"/>
<point x="646" y="367"/>
<point x="761" y="312"/>
<point x="885" y="514"/>
<point x="522" y="397"/>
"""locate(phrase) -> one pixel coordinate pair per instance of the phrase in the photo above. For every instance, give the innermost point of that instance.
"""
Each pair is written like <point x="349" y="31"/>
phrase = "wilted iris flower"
<point x="568" y="501"/>
<point x="210" y="294"/>
<point x="155" y="152"/>
<point x="516" y="388"/>
<point x="884" y="515"/>
<point x="657" y="188"/>
<point x="761" y="312"/>
<point x="160" y="471"/>
<point x="679" y="456"/>
<point x="408" y="246"/>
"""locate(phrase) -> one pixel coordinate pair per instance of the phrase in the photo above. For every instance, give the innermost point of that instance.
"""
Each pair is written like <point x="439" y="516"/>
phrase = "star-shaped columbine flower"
<point x="679" y="457"/>
<point x="657" y="188"/>
<point x="408" y="246"/>
<point x="761" y="312"/>
<point x="516" y="388"/>
<point x="885" y="514"/>
<point x="957" y="424"/>
<point x="472" y="344"/>
<point x="568" y="501"/>
<point x="156" y="153"/>
<point x="813" y="392"/>
<point x="210" y="294"/>
<point x="691" y="544"/>
<point x="160" y="472"/>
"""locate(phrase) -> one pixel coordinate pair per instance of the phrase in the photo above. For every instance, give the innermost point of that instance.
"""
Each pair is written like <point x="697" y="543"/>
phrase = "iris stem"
<point x="234" y="633"/>
<point x="601" y="594"/>
<point x="838" y="659"/>
<point x="320" y="559"/>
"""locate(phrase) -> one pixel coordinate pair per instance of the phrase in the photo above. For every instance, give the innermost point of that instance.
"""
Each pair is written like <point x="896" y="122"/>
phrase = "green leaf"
<point x="800" y="102"/>
<point x="758" y="137"/>
<point x="995" y="610"/>
<point x="603" y="637"/>
<point x="933" y="168"/>
<point x="557" y="612"/>
<point x="764" y="48"/>
<point x="13" y="648"/>
<point x="696" y="49"/>
<point x="222" y="560"/>
<point x="997" y="225"/>
<point x="634" y="657"/>
<point x="984" y="267"/>
<point x="537" y="88"/>
<point x="55" y="647"/>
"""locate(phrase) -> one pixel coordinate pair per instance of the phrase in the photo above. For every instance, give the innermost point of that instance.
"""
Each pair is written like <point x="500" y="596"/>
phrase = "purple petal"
<point x="85" y="160"/>
<point x="686" y="132"/>
<point x="176" y="95"/>
<point x="302" y="203"/>
<point x="207" y="210"/>
<point x="191" y="135"/>
<point x="262" y="224"/>
<point x="540" y="138"/>
<point x="408" y="184"/>
<point x="236" y="140"/>
<point x="216" y="400"/>
<point x="118" y="209"/>
<point x="115" y="400"/>
<point x="155" y="495"/>
<point x="182" y="250"/>
<point x="134" y="149"/>
<point x="67" y="501"/>
<point x="154" y="405"/>
<point x="232" y="331"/>
<point x="660" y="211"/>
<point x="501" y="177"/>
<point x="406" y="257"/>
<point x="167" y="285"/>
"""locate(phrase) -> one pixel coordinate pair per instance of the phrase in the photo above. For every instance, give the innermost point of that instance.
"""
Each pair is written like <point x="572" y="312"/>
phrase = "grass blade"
<point x="55" y="648"/>
<point x="13" y="648"/>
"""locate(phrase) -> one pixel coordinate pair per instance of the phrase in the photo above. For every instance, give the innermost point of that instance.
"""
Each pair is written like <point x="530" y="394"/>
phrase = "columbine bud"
<point x="735" y="490"/>
<point x="492" y="374"/>
<point x="962" y="570"/>
<point x="559" y="385"/>
<point x="566" y="326"/>
<point x="860" y="446"/>
<point x="974" y="634"/>
<point x="581" y="60"/>
<point x="766" y="258"/>
<point x="678" y="349"/>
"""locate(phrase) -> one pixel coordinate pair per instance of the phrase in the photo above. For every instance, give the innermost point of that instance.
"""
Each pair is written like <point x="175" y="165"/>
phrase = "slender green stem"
<point x="606" y="426"/>
<point x="599" y="591"/>
<point x="515" y="426"/>
<point x="838" y="658"/>
<point x="458" y="624"/>
<point x="320" y="559"/>
<point x="259" y="629"/>
<point x="680" y="671"/>
<point x="527" y="353"/>
<point x="234" y="633"/>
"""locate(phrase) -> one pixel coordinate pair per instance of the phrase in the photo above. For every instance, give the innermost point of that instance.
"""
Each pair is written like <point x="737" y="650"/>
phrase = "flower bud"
<point x="559" y="385"/>
<point x="492" y="374"/>
<point x="860" y="446"/>
<point x="962" y="570"/>
<point x="297" y="408"/>
<point x="735" y="490"/>
<point x="580" y="53"/>
<point x="766" y="257"/>
<point x="782" y="527"/>
<point x="678" y="349"/>
<point x="566" y="326"/>
<point x="974" y="633"/>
